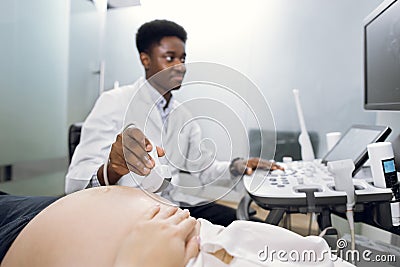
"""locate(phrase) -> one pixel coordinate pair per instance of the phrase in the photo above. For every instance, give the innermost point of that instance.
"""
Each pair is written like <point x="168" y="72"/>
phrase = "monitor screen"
<point x="353" y="144"/>
<point x="388" y="166"/>
<point x="382" y="57"/>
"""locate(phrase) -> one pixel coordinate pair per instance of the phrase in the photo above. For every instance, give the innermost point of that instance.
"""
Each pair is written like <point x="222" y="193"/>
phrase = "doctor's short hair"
<point x="152" y="32"/>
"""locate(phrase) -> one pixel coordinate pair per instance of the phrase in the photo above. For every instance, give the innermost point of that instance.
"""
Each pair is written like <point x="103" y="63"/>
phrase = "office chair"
<point x="74" y="137"/>
<point x="287" y="144"/>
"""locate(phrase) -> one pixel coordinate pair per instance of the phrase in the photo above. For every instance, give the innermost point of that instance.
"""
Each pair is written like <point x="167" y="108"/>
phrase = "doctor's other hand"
<point x="128" y="153"/>
<point x="243" y="166"/>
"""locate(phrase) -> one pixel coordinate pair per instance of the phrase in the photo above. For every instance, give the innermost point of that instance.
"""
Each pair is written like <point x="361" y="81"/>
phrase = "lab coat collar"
<point x="150" y="100"/>
<point x="155" y="96"/>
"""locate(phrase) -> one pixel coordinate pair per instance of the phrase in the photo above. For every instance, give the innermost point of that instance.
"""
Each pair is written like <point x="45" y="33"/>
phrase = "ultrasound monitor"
<point x="382" y="57"/>
<point x="353" y="144"/>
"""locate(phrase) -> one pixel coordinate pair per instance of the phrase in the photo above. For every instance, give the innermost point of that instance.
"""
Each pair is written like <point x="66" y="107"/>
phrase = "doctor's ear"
<point x="145" y="59"/>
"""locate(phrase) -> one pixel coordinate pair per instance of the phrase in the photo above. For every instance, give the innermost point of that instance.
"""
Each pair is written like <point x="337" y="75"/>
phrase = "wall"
<point x="86" y="24"/>
<point x="33" y="81"/>
<point x="278" y="44"/>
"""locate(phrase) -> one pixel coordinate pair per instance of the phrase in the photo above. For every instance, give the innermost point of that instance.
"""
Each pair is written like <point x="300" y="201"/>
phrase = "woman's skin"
<point x="107" y="226"/>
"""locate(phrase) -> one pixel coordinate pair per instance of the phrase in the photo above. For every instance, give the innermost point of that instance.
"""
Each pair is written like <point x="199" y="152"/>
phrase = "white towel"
<point x="260" y="244"/>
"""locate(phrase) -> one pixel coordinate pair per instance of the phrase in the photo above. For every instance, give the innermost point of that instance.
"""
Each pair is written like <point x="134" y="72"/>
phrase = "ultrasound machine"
<point x="308" y="186"/>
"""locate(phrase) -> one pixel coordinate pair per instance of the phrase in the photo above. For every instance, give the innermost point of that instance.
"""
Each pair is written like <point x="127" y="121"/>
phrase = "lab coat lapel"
<point x="143" y="113"/>
<point x="177" y="134"/>
<point x="152" y="115"/>
<point x="174" y="123"/>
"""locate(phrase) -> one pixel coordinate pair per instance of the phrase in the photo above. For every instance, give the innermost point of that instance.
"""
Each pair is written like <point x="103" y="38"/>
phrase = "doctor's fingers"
<point x="160" y="151"/>
<point x="259" y="163"/>
<point x="265" y="164"/>
<point x="121" y="161"/>
<point x="149" y="147"/>
<point x="135" y="165"/>
<point x="132" y="146"/>
<point x="137" y="135"/>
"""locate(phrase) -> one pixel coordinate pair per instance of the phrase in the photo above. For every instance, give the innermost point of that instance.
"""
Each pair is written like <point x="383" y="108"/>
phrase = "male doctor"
<point x="149" y="105"/>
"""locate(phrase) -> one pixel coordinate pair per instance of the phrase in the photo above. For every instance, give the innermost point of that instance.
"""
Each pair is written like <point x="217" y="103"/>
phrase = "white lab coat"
<point x="117" y="108"/>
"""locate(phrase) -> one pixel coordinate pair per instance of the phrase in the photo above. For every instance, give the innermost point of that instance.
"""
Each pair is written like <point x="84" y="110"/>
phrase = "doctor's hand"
<point x="242" y="166"/>
<point x="128" y="153"/>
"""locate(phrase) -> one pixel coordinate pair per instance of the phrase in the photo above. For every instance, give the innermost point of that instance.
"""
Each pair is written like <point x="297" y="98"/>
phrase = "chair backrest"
<point x="74" y="137"/>
<point x="287" y="144"/>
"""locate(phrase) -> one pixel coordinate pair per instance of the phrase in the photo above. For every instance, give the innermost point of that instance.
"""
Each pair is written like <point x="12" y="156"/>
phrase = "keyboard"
<point x="289" y="186"/>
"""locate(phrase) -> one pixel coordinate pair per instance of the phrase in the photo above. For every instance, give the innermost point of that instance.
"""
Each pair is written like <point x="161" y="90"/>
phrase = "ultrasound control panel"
<point x="290" y="187"/>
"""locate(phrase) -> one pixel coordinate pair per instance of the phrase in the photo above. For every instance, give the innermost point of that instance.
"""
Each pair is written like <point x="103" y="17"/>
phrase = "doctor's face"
<point x="165" y="64"/>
